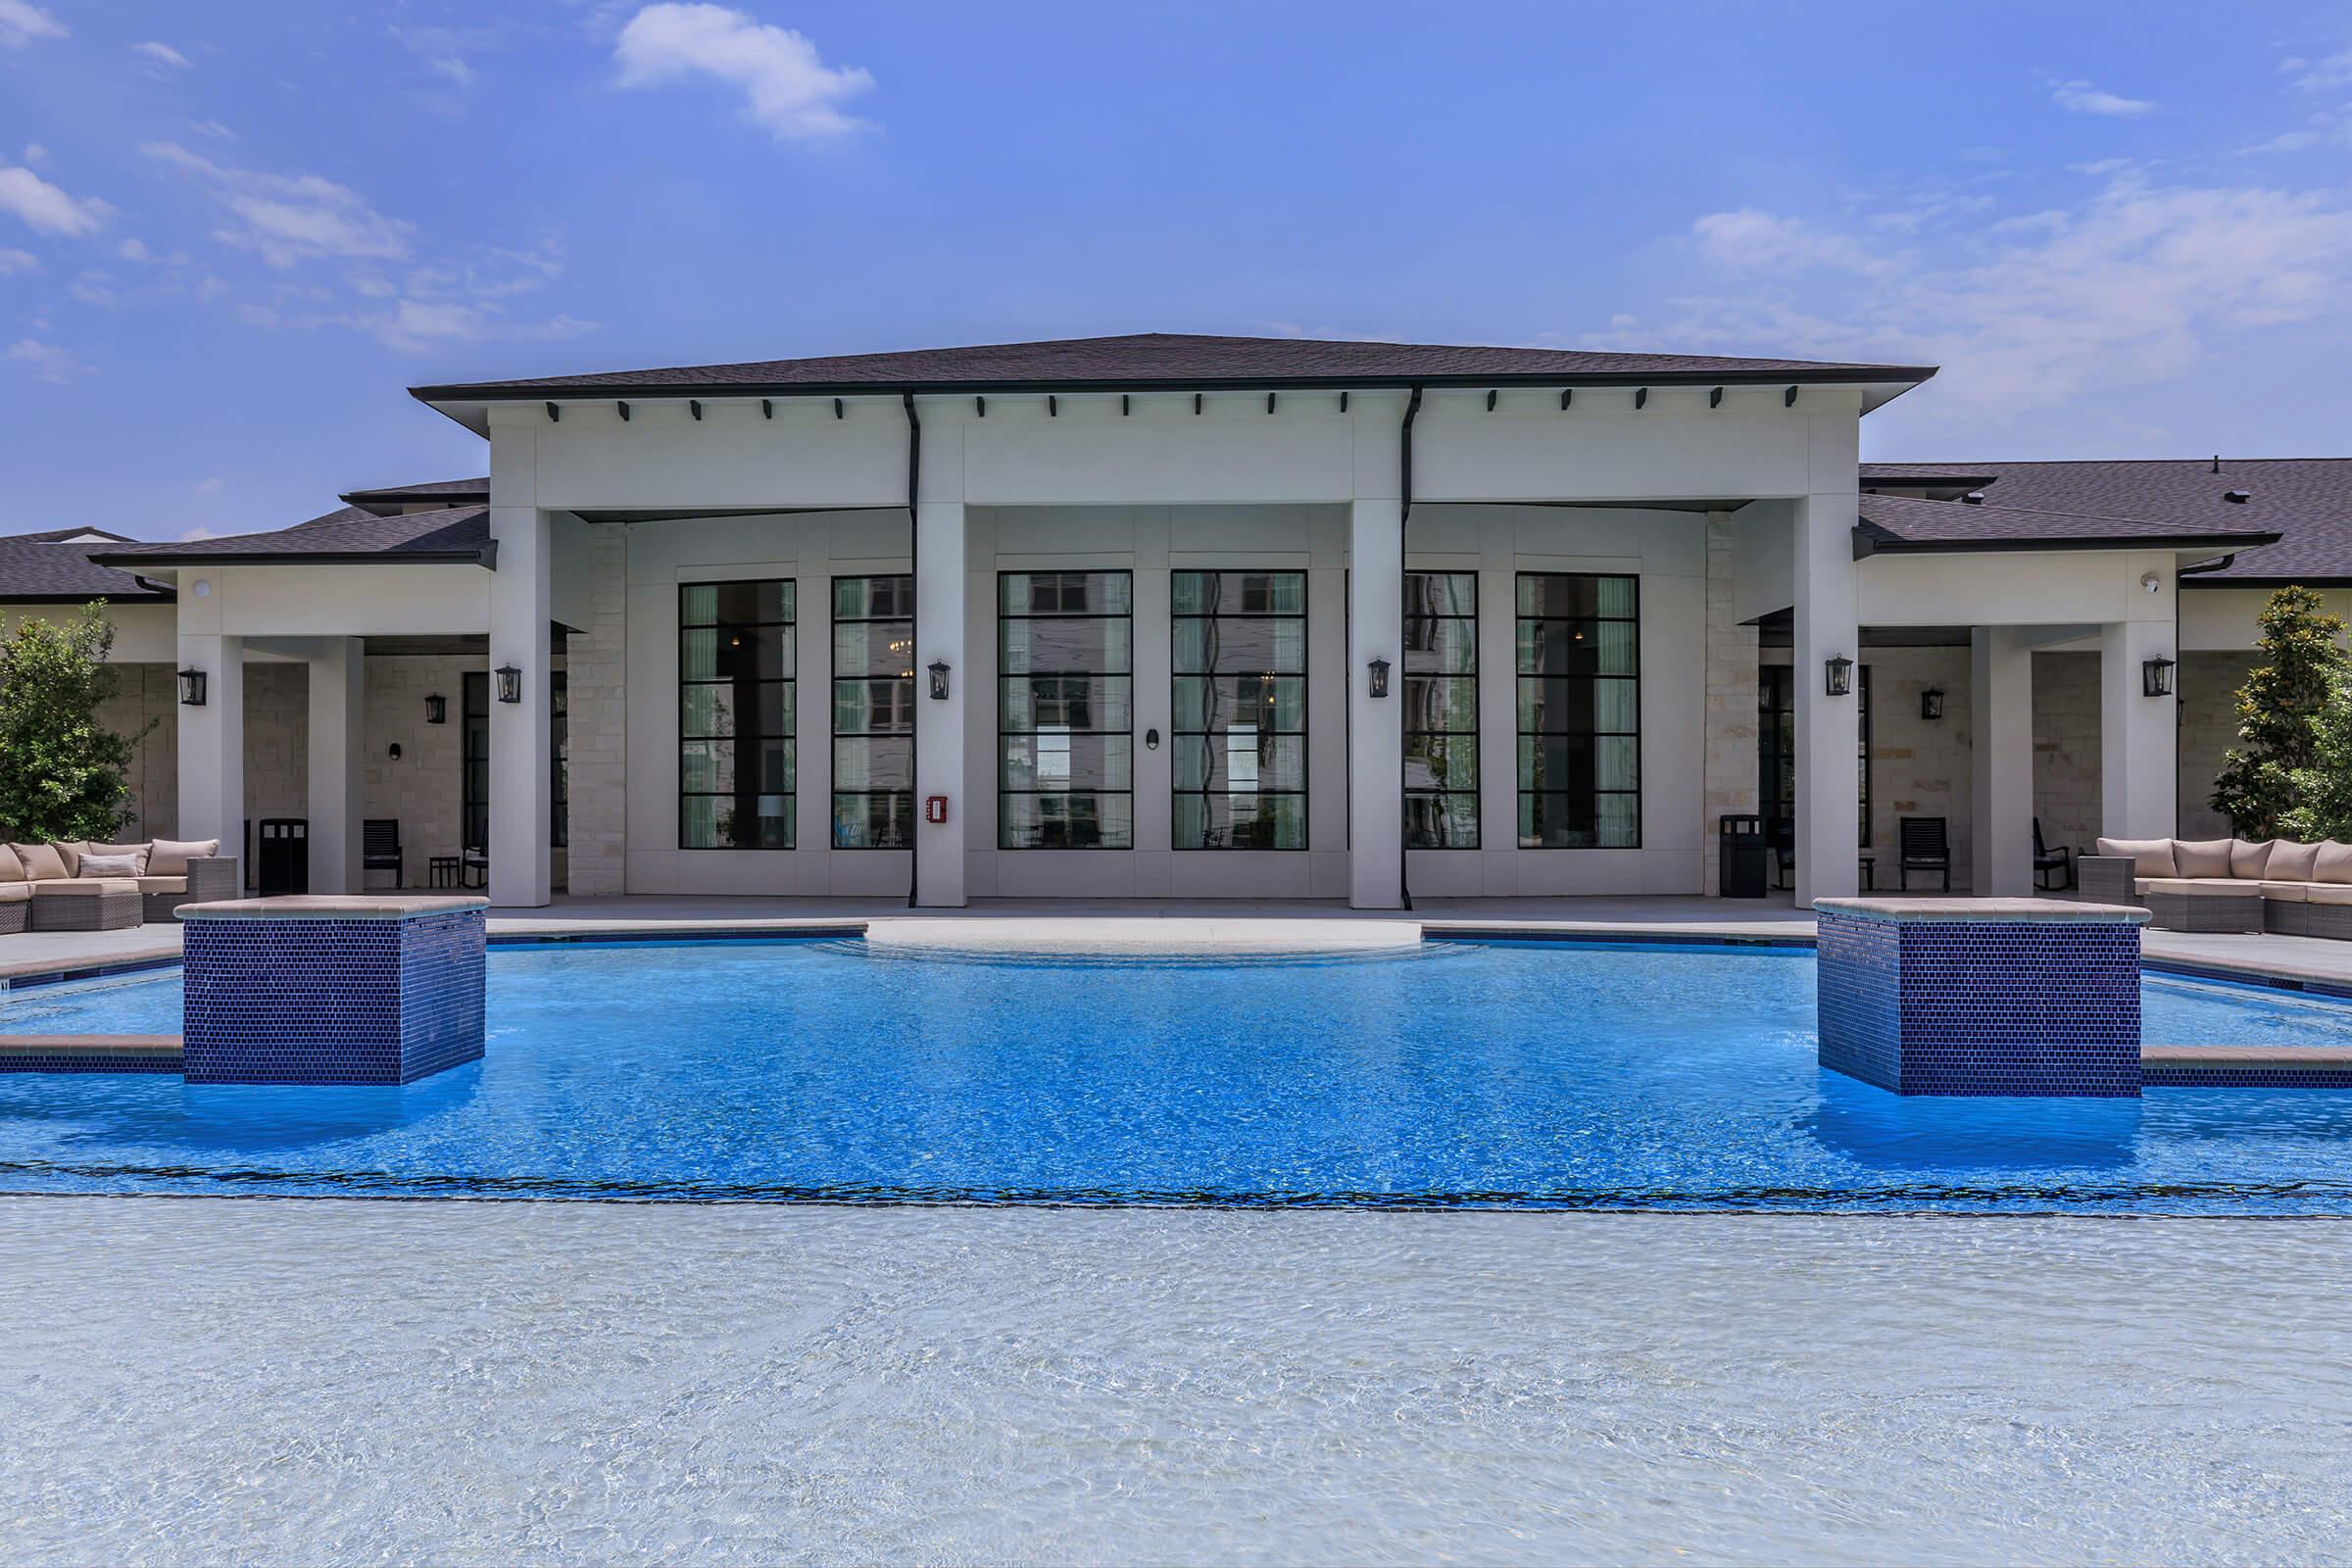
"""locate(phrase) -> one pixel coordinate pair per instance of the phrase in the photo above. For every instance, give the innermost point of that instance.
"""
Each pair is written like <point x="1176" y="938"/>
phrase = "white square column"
<point x="2139" y="783"/>
<point x="337" y="766"/>
<point x="1827" y="728"/>
<point x="1375" y="724"/>
<point x="211" y="745"/>
<point x="2001" y="693"/>
<point x="521" y="800"/>
<point x="941" y="566"/>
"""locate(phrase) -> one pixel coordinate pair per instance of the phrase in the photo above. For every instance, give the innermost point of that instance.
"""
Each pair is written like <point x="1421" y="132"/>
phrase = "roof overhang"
<point x="487" y="556"/>
<point x="1868" y="543"/>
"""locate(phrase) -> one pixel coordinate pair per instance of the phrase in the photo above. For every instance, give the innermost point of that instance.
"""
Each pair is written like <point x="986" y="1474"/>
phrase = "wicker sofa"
<point x="66" y="887"/>
<point x="2277" y="885"/>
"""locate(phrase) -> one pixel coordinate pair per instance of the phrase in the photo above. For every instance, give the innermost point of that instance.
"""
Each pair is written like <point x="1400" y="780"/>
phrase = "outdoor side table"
<point x="441" y="871"/>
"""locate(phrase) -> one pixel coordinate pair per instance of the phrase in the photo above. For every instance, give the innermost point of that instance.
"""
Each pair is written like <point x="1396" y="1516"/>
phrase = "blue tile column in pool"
<point x="2038" y="1004"/>
<point x="317" y="999"/>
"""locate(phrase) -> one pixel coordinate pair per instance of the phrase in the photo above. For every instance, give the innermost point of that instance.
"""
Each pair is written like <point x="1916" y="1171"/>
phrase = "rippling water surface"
<point x="1499" y="1075"/>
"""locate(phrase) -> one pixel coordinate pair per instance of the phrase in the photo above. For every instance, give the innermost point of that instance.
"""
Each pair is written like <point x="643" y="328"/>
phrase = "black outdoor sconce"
<point x="192" y="687"/>
<point x="509" y="684"/>
<point x="1930" y="704"/>
<point x="2156" y="677"/>
<point x="436" y="709"/>
<point x="1841" y="673"/>
<point x="1380" y="677"/>
<point x="938" y="680"/>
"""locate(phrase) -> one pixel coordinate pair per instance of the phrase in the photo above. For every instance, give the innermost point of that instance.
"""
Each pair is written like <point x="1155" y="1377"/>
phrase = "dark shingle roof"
<point x="449" y="490"/>
<point x="1892" y="524"/>
<point x="40" y="568"/>
<point x="455" y="534"/>
<point x="1170" y="360"/>
<point x="2305" y="501"/>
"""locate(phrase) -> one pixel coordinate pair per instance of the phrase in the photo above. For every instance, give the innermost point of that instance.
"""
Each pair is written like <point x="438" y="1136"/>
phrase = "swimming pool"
<point x="1456" y="1075"/>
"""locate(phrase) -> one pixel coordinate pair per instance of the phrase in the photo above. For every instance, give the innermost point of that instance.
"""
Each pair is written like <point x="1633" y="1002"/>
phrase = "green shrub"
<point x="2301" y="667"/>
<point x="62" y="772"/>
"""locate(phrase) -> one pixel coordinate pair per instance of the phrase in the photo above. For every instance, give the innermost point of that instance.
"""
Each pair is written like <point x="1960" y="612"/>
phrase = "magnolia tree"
<point x="2323" y="807"/>
<point x="62" y="771"/>
<point x="2300" y="669"/>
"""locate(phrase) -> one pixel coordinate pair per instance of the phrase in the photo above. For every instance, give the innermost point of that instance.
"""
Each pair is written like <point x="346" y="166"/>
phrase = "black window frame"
<point x="1521" y="676"/>
<point x="790" y="628"/>
<point x="1302" y="676"/>
<point x="1004" y="792"/>
<point x="1477" y="710"/>
<point x="906" y="682"/>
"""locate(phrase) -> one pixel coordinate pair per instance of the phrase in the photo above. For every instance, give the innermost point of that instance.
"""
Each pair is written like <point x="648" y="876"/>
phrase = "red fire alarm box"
<point x="935" y="807"/>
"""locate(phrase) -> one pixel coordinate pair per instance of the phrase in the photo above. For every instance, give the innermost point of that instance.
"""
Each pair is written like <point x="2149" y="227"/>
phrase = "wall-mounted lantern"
<point x="1380" y="677"/>
<point x="509" y="684"/>
<point x="938" y="680"/>
<point x="436" y="709"/>
<point x="1840" y="674"/>
<point x="1930" y="704"/>
<point x="2156" y="677"/>
<point x="192" y="687"/>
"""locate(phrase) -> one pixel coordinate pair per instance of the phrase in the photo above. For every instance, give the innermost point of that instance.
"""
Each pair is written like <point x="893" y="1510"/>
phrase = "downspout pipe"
<point x="915" y="562"/>
<point x="1404" y="515"/>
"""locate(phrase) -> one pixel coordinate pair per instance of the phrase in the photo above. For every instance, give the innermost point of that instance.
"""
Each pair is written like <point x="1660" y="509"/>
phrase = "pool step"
<point x="89" y="1052"/>
<point x="2245" y="1066"/>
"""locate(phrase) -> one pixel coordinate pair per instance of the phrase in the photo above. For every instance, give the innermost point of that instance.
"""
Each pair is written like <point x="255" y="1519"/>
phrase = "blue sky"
<point x="230" y="235"/>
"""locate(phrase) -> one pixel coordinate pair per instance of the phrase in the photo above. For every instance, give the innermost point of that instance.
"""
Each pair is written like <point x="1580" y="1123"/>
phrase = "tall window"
<point x="1240" y="727"/>
<point x="736" y="717"/>
<point x="1776" y="750"/>
<point x="873" y="713"/>
<point x="1580" y="708"/>
<point x="1441" y="709"/>
<point x="1862" y="747"/>
<point x="1065" y="711"/>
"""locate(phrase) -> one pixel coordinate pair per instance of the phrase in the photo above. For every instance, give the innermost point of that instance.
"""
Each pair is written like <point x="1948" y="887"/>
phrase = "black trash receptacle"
<point x="1739" y="856"/>
<point x="284" y="864"/>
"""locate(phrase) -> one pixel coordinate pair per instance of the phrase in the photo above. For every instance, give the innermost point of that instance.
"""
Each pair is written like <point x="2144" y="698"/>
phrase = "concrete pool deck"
<point x="607" y="1382"/>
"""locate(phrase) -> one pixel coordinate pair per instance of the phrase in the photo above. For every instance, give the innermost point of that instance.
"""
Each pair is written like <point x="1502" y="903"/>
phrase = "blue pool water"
<point x="1500" y="1075"/>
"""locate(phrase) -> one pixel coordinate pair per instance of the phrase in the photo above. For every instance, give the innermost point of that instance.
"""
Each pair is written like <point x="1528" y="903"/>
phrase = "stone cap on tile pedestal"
<point x="335" y="907"/>
<point x="2002" y="911"/>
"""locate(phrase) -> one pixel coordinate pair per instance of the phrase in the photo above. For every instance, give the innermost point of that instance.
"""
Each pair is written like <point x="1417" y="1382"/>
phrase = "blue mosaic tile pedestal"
<point x="1982" y="996"/>
<point x="331" y="990"/>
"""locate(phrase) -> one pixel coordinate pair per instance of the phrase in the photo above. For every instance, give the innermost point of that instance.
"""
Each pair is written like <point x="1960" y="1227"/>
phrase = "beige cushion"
<point x="2201" y="857"/>
<point x="83" y="887"/>
<point x="163" y="884"/>
<point x="2248" y="860"/>
<point x="2201" y="887"/>
<point x="18" y="891"/>
<point x="2149" y="857"/>
<point x="2327" y="892"/>
<point x="12" y="869"/>
<point x="41" y="863"/>
<point x="2335" y="863"/>
<point x="2140" y="887"/>
<point x="70" y="851"/>
<point x="137" y="852"/>
<point x="171" y="856"/>
<point x="2285" y="892"/>
<point x="2291" y="862"/>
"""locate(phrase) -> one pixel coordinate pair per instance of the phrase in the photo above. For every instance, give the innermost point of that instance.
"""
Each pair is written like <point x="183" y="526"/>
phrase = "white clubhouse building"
<point x="1186" y="617"/>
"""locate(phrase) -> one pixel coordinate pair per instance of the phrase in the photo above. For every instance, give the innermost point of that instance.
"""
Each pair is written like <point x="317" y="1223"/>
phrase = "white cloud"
<point x="191" y="535"/>
<point x="787" y="87"/>
<point x="35" y="153"/>
<point x="2086" y="99"/>
<point x="292" y="217"/>
<point x="210" y="486"/>
<point x="49" y="362"/>
<point x="1752" y="238"/>
<point x="162" y="54"/>
<point x="94" y="288"/>
<point x="212" y="127"/>
<point x="2334" y="72"/>
<point x="22" y="22"/>
<point x="13" y="261"/>
<point x="49" y="210"/>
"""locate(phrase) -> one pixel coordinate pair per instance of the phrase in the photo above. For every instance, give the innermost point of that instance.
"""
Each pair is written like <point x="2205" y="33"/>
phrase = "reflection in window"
<point x="1240" y="728"/>
<point x="1580" y="706"/>
<point x="1065" y="711"/>
<point x="873" y="713"/>
<point x="1441" y="709"/>
<point x="735" y="716"/>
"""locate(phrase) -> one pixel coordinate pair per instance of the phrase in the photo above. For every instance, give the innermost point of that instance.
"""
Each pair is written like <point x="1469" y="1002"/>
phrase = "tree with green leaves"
<point x="62" y="771"/>
<point x="2299" y="668"/>
<point x="2324" y="790"/>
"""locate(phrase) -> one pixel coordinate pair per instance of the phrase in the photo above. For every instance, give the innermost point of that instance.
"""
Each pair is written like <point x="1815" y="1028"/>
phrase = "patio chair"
<point x="2059" y="862"/>
<point x="1922" y="844"/>
<point x="380" y="851"/>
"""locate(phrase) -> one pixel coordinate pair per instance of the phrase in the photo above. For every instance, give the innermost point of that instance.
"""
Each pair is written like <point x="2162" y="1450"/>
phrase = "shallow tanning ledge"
<point x="382" y="989"/>
<point x="1980" y="996"/>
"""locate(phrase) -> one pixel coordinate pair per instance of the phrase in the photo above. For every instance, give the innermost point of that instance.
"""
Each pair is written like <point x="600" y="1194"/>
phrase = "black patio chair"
<point x="380" y="851"/>
<point x="1922" y="846"/>
<point x="2048" y="862"/>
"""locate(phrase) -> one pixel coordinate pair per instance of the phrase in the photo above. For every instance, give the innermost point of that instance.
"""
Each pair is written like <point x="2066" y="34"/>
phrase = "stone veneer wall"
<point x="2208" y="684"/>
<point x="425" y="790"/>
<point x="1919" y="767"/>
<point x="599" y="735"/>
<point x="1731" y="783"/>
<point x="149" y="694"/>
<point x="2065" y="749"/>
